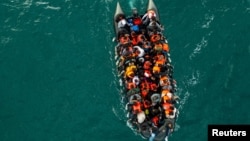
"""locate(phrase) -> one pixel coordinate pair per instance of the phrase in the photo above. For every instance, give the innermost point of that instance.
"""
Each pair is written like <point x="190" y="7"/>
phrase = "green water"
<point x="57" y="70"/>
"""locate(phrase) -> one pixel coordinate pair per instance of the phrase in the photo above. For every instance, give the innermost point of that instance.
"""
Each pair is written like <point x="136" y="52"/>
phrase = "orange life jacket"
<point x="124" y="39"/>
<point x="156" y="69"/>
<point x="167" y="112"/>
<point x="166" y="99"/>
<point x="158" y="47"/>
<point x="160" y="59"/>
<point x="144" y="93"/>
<point x="137" y="107"/>
<point x="155" y="120"/>
<point x="166" y="106"/>
<point x="134" y="41"/>
<point x="155" y="38"/>
<point x="130" y="85"/>
<point x="164" y="92"/>
<point x="165" y="47"/>
<point x="164" y="81"/>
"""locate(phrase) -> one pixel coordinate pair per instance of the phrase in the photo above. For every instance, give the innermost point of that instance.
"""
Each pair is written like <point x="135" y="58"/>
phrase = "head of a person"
<point x="135" y="12"/>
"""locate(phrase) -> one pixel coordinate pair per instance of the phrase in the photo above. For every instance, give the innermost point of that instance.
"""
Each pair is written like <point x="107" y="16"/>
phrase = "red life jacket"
<point x="137" y="21"/>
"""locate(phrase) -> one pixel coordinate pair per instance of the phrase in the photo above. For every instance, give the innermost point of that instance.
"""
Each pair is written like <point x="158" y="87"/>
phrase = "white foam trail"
<point x="52" y="8"/>
<point x="5" y="40"/>
<point x="194" y="80"/>
<point x="191" y="81"/>
<point x="199" y="46"/>
<point x="208" y="19"/>
<point x="28" y="3"/>
<point x="204" y="3"/>
<point x="183" y="100"/>
<point x="41" y="3"/>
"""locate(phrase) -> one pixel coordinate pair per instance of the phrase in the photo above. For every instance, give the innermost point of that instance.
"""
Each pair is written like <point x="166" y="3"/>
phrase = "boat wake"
<point x="190" y="82"/>
<point x="199" y="46"/>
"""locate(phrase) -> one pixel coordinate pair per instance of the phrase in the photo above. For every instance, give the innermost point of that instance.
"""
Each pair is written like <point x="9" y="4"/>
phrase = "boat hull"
<point x="152" y="121"/>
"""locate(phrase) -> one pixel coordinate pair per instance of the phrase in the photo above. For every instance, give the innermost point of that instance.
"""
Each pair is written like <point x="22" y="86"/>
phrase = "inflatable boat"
<point x="145" y="72"/>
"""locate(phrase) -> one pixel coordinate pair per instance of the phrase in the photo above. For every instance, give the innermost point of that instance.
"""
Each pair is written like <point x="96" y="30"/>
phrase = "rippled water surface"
<point x="58" y="77"/>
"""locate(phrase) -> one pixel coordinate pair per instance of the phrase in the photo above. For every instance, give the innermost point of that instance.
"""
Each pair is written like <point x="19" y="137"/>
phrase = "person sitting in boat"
<point x="169" y="127"/>
<point x="127" y="51"/>
<point x="154" y="25"/>
<point x="139" y="62"/>
<point x="122" y="32"/>
<point x="170" y="110"/>
<point x="155" y="110"/>
<point x="147" y="65"/>
<point x="156" y="70"/>
<point x="167" y="69"/>
<point x="158" y="47"/>
<point x="153" y="86"/>
<point x="146" y="18"/>
<point x="165" y="82"/>
<point x="130" y="84"/>
<point x="133" y="91"/>
<point x="171" y="113"/>
<point x="147" y="74"/>
<point x="136" y="18"/>
<point x="133" y="27"/>
<point x="168" y="97"/>
<point x="122" y="22"/>
<point x="122" y="25"/>
<point x="154" y="36"/>
<point x="146" y="105"/>
<point x="126" y="54"/>
<point x="159" y="59"/>
<point x="130" y="71"/>
<point x="155" y="121"/>
<point x="141" y="116"/>
<point x="124" y="39"/>
<point x="141" y="39"/>
<point x="147" y="47"/>
<point x="153" y="131"/>
<point x="145" y="85"/>
<point x="135" y="98"/>
<point x="135" y="21"/>
<point x="144" y="93"/>
<point x="136" y="80"/>
<point x="137" y="107"/>
<point x="133" y="38"/>
<point x="165" y="48"/>
<point x="139" y="52"/>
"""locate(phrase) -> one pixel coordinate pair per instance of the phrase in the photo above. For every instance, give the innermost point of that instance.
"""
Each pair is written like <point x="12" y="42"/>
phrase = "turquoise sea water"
<point x="57" y="70"/>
